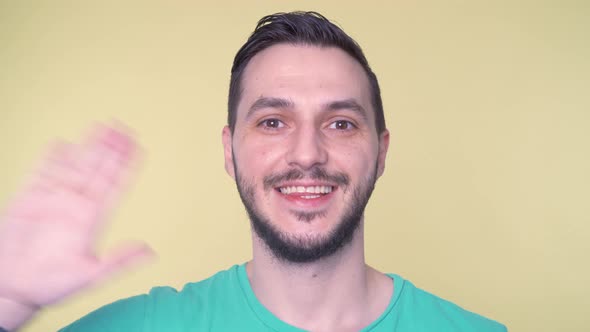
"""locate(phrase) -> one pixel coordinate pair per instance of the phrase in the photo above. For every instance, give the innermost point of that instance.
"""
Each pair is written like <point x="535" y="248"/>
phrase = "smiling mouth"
<point x="306" y="192"/>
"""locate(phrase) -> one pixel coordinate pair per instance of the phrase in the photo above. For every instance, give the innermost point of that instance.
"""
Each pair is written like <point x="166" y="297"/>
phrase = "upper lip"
<point x="306" y="184"/>
<point x="307" y="188"/>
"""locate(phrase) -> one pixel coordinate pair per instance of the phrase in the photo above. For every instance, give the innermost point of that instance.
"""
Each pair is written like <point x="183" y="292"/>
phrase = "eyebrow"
<point x="269" y="102"/>
<point x="350" y="104"/>
<point x="275" y="102"/>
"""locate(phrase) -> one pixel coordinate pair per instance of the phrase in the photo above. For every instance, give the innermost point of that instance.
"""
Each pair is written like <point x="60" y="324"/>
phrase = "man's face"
<point x="305" y="153"/>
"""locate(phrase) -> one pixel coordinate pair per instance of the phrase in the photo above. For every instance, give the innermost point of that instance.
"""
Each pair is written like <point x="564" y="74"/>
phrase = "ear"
<point x="383" y="147"/>
<point x="226" y="138"/>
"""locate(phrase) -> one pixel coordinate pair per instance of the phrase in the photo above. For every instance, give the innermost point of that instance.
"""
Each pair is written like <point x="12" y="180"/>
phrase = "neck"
<point x="336" y="293"/>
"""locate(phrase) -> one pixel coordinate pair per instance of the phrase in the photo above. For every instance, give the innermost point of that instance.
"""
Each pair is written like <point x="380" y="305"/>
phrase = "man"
<point x="305" y="142"/>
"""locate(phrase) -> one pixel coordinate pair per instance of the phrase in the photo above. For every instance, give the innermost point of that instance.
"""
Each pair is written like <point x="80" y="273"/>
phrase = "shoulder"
<point x="162" y="306"/>
<point x="122" y="315"/>
<point x="167" y="301"/>
<point x="437" y="314"/>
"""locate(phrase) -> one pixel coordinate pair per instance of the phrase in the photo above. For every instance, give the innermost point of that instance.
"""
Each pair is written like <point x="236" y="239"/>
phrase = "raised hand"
<point x="48" y="232"/>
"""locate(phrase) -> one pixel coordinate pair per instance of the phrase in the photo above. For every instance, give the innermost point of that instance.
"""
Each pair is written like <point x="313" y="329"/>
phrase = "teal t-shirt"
<point x="226" y="302"/>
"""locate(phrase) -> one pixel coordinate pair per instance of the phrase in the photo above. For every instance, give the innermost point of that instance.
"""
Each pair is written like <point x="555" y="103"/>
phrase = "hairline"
<point x="263" y="102"/>
<point x="239" y="74"/>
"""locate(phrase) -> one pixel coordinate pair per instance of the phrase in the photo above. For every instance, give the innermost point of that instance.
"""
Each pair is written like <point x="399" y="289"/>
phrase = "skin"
<point x="323" y="118"/>
<point x="51" y="225"/>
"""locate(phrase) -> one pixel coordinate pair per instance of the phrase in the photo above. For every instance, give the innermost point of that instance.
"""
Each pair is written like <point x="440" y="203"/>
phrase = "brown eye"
<point x="272" y="124"/>
<point x="341" y="125"/>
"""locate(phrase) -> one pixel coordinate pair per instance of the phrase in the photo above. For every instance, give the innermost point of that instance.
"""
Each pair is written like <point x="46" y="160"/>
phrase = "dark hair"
<point x="307" y="28"/>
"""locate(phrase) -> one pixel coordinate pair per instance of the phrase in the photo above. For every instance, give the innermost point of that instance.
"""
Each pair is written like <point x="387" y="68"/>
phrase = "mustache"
<point x="316" y="173"/>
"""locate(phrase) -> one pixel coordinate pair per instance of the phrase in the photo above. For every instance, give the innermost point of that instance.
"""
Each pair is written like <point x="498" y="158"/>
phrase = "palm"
<point x="47" y="235"/>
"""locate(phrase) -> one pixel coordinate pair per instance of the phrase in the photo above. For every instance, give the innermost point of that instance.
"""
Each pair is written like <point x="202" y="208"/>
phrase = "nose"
<point x="306" y="148"/>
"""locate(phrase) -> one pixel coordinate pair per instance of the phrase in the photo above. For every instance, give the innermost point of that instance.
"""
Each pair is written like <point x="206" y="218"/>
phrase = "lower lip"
<point x="299" y="199"/>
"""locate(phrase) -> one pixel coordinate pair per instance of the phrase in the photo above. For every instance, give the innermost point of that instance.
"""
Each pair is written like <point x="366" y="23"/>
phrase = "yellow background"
<point x="485" y="199"/>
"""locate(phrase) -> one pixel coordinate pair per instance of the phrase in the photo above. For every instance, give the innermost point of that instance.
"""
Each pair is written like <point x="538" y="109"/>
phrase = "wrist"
<point x="14" y="314"/>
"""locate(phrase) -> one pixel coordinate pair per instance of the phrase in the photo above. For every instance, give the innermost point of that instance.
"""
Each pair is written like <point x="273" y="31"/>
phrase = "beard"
<point x="306" y="248"/>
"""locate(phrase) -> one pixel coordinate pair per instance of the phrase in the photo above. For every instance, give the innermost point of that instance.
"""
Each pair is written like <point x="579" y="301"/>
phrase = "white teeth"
<point x="310" y="196"/>
<point x="309" y="190"/>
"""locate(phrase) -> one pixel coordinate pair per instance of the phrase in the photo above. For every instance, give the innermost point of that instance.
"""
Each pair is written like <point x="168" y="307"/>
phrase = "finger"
<point x="54" y="172"/>
<point x="122" y="258"/>
<point x="118" y="137"/>
<point x="85" y="176"/>
<point x="71" y="167"/>
<point x="104" y="162"/>
<point x="56" y="169"/>
<point x="108" y="156"/>
<point x="104" y="142"/>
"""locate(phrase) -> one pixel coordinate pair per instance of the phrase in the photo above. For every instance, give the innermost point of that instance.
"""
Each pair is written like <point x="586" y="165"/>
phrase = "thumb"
<point x="123" y="258"/>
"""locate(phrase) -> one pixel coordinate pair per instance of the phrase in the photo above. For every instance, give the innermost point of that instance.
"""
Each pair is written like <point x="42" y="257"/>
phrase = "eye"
<point x="271" y="124"/>
<point x="342" y="125"/>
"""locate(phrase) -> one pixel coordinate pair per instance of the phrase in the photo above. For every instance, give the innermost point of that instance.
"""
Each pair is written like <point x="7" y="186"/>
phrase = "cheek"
<point x="357" y="160"/>
<point x="354" y="152"/>
<point x="256" y="158"/>
<point x="264" y="152"/>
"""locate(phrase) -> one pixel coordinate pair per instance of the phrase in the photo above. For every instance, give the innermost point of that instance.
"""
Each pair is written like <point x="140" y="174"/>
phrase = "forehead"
<point x="306" y="75"/>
